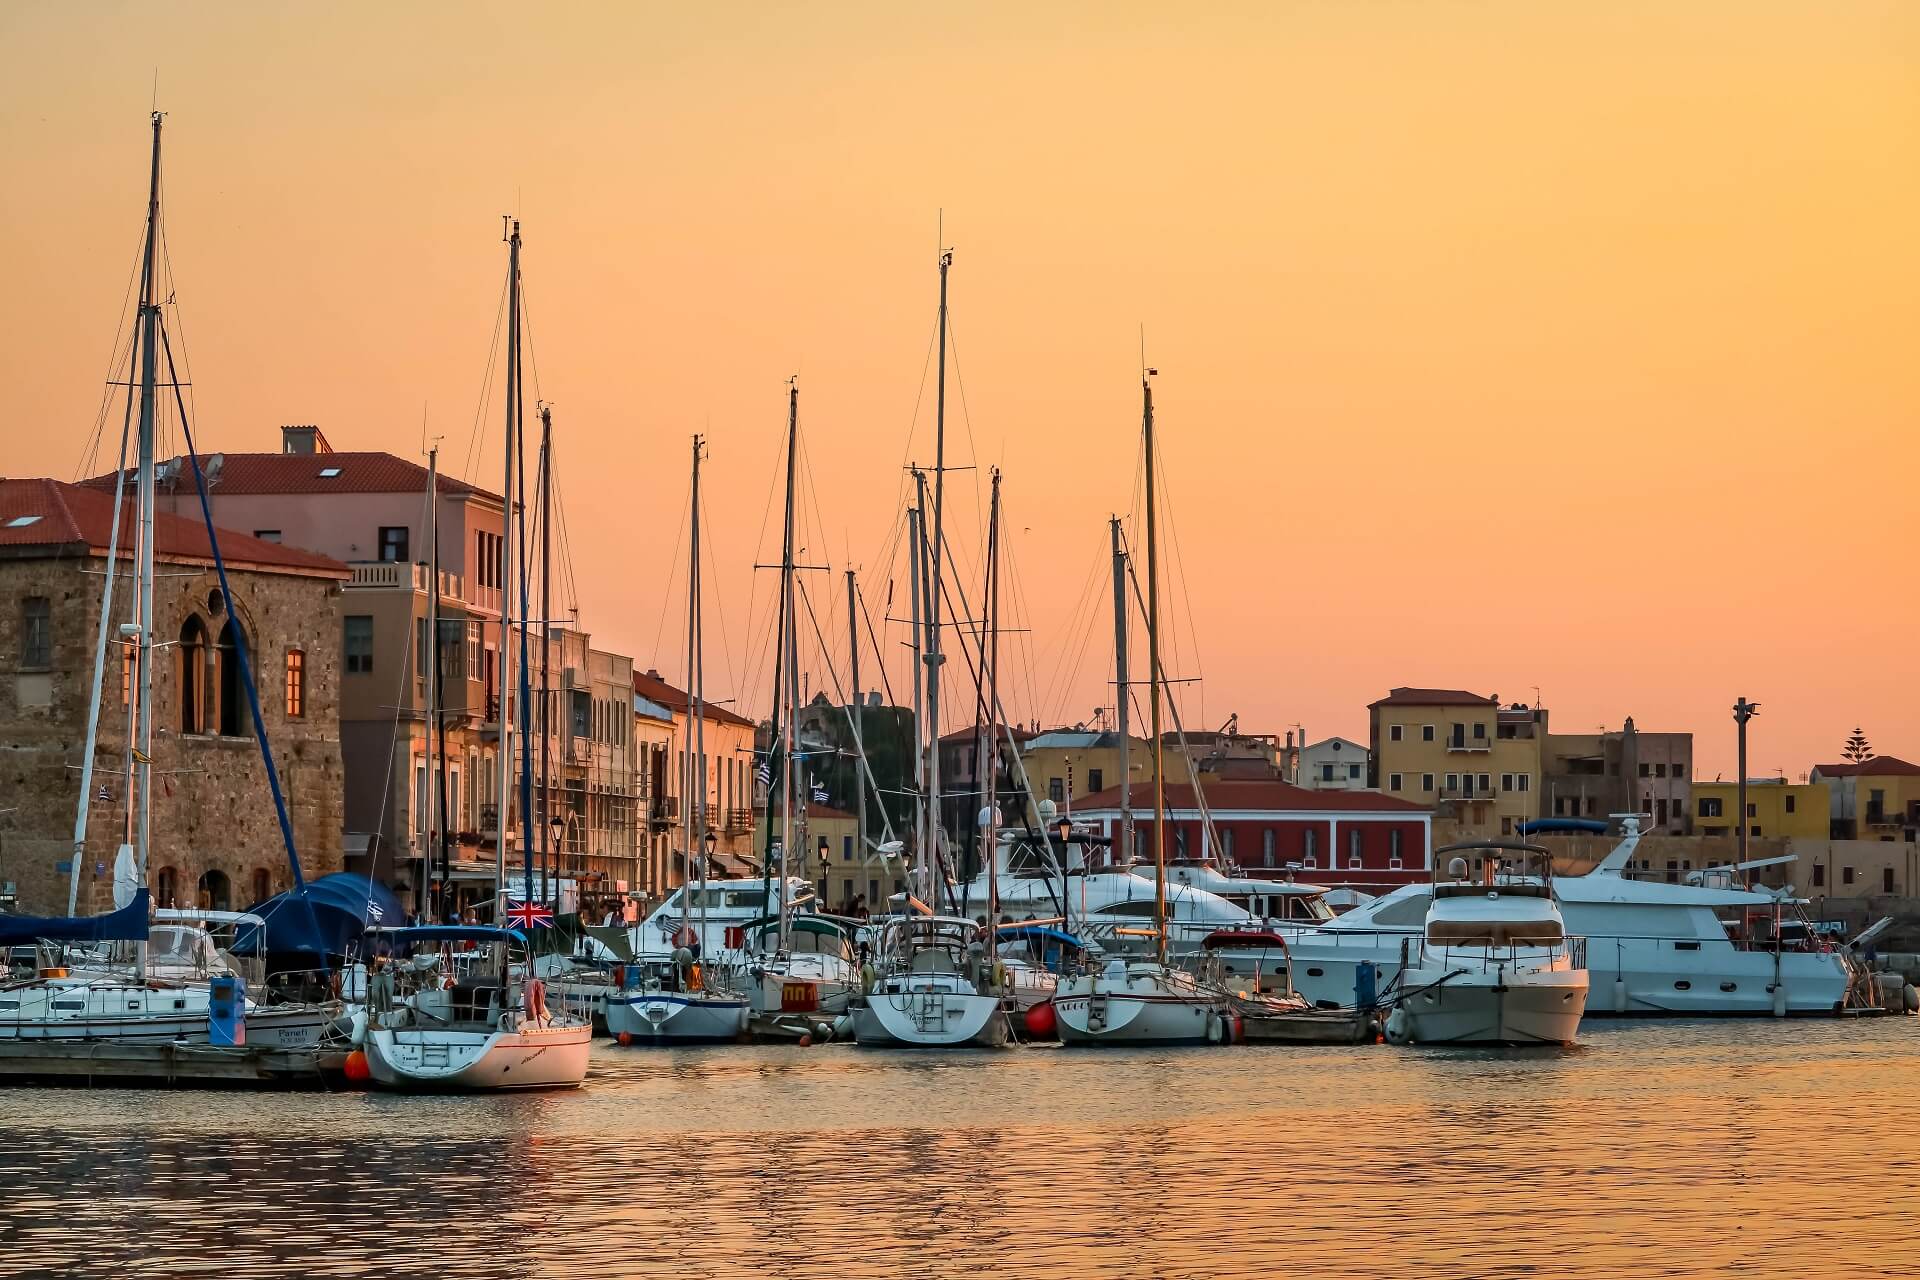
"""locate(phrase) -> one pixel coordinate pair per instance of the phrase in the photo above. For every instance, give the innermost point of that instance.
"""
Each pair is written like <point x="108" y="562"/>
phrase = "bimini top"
<point x="1026" y="932"/>
<point x="800" y="924"/>
<point x="448" y="933"/>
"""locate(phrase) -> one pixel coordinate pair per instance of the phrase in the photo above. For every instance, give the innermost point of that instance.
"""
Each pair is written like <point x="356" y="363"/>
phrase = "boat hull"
<point x="930" y="1020"/>
<point x="435" y="1060"/>
<point x="1137" y="1005"/>
<point x="266" y="1027"/>
<point x="660" y="1017"/>
<point x="1536" y="1008"/>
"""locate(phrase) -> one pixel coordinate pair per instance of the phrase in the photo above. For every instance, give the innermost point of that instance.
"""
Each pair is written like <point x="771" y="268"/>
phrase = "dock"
<point x="169" y="1064"/>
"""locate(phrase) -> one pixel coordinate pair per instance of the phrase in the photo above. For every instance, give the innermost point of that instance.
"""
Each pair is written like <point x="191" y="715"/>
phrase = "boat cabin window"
<point x="1139" y="908"/>
<point x="1410" y="910"/>
<point x="1495" y="933"/>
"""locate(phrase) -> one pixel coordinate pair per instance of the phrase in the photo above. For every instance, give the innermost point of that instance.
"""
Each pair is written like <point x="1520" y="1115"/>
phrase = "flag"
<point x="765" y="772"/>
<point x="819" y="794"/>
<point x="528" y="915"/>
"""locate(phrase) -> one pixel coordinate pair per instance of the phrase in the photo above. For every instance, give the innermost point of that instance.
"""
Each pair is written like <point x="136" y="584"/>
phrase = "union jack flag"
<point x="528" y="915"/>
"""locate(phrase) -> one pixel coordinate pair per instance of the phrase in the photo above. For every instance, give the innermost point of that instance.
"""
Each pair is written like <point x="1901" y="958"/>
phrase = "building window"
<point x="1426" y="782"/>
<point x="1353" y="849"/>
<point x="1309" y="842"/>
<point x="1753" y="811"/>
<point x="1226" y="842"/>
<point x="267" y="535"/>
<point x="194" y="659"/>
<point x="262" y="885"/>
<point x="1426" y="733"/>
<point x="1326" y="773"/>
<point x="393" y="543"/>
<point x="1480" y="732"/>
<point x="1393" y="782"/>
<point x="1819" y="874"/>
<point x="1095" y="779"/>
<point x="1646" y="770"/>
<point x="1506" y="826"/>
<point x="1394" y="732"/>
<point x="1057" y="791"/>
<point x="1506" y="782"/>
<point x="1266" y="846"/>
<point x="1453" y="782"/>
<point x="1353" y="773"/>
<point x="1521" y="778"/>
<point x="1710" y="806"/>
<point x="1846" y="875"/>
<point x="296" y="684"/>
<point x="36" y="632"/>
<point x="1393" y="848"/>
<point x="1789" y="804"/>
<point x="127" y="657"/>
<point x="1886" y="879"/>
<point x="1486" y="782"/>
<point x="358" y="645"/>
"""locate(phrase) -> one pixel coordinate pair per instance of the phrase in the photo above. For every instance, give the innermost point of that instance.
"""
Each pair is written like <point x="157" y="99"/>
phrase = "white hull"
<point x="930" y="1020"/>
<point x="1145" y="1006"/>
<point x="436" y="1060"/>
<point x="806" y="983"/>
<point x="105" y="1016"/>
<point x="660" y="1017"/>
<point x="1542" y="1007"/>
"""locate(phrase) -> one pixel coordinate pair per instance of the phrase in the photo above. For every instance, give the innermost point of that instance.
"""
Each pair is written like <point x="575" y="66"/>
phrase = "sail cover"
<point x="128" y="924"/>
<point x="342" y="905"/>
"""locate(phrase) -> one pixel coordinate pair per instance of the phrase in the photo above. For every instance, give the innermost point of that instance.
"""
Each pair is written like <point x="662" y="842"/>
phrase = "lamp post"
<point x="1743" y="711"/>
<point x="710" y="843"/>
<point x="558" y="825"/>
<point x="826" y="869"/>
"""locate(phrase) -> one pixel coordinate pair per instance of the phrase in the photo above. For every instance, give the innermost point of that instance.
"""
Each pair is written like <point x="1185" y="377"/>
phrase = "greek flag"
<point x="764" y="772"/>
<point x="819" y="794"/>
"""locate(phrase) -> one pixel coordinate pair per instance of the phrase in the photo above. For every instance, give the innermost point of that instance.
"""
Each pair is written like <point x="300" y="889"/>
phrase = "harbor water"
<point x="1651" y="1149"/>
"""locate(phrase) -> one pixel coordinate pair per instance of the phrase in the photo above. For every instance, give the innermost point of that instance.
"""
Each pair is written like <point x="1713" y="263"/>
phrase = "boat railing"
<point x="1514" y="953"/>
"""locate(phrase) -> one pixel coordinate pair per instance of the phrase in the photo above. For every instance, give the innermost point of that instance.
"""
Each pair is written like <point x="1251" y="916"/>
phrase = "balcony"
<point x="739" y="821"/>
<point x="1461" y="742"/>
<point x="403" y="575"/>
<point x="1467" y="795"/>
<point x="664" y="811"/>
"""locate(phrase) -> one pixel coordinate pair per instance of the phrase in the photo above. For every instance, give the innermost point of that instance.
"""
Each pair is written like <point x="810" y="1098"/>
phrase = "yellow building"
<point x="1476" y="762"/>
<point x="1775" y="808"/>
<point x="1067" y="765"/>
<point x="1873" y="799"/>
<point x="827" y="852"/>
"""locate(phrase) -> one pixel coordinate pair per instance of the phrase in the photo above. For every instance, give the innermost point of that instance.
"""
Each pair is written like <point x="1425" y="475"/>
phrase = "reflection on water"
<point x="1684" y="1149"/>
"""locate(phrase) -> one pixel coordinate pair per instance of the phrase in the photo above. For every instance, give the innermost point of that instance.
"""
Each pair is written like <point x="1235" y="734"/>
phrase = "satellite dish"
<point x="126" y="877"/>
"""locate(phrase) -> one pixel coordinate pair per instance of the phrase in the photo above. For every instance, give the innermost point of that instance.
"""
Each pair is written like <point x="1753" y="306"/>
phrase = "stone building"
<point x="215" y="839"/>
<point x="725" y="773"/>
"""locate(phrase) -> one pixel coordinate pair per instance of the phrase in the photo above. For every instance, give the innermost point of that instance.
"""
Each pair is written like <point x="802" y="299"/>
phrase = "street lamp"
<point x="710" y="842"/>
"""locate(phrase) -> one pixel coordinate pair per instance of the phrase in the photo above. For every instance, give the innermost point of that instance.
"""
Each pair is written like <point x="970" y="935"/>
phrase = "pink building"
<point x="1360" y="838"/>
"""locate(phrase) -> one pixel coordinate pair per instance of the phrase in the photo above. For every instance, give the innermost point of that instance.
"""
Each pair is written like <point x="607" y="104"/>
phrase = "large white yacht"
<point x="725" y="907"/>
<point x="1694" y="949"/>
<point x="1494" y="964"/>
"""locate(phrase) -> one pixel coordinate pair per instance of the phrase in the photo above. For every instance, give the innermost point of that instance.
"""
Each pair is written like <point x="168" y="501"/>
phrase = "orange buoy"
<point x="625" y="1037"/>
<point x="806" y="1039"/>
<point x="1041" y="1022"/>
<point x="357" y="1069"/>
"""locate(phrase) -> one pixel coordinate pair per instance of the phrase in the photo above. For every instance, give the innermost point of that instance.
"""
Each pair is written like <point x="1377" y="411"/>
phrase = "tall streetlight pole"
<point x="1743" y="711"/>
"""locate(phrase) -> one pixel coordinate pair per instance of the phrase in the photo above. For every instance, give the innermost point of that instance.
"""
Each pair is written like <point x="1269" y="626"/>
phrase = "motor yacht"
<point x="1494" y="964"/>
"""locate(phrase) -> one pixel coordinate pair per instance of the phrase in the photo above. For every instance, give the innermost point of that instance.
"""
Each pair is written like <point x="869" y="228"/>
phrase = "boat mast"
<point x="1153" y="684"/>
<point x="933" y="658"/>
<point x="915" y="563"/>
<point x="436" y="811"/>
<point x="991" y="757"/>
<point x="784" y="694"/>
<point x="696" y="694"/>
<point x="140" y="732"/>
<point x="522" y="622"/>
<point x="1123" y="694"/>
<point x="549" y="856"/>
<point x="859" y="746"/>
<point x="507" y="567"/>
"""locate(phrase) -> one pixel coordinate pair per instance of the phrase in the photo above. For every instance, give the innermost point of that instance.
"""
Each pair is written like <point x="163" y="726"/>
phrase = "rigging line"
<point x="1089" y="591"/>
<point x="1023" y="619"/>
<point x="1186" y="592"/>
<point x="673" y="575"/>
<point x="90" y="455"/>
<point x="966" y="420"/>
<point x="879" y="657"/>
<point x="481" y="413"/>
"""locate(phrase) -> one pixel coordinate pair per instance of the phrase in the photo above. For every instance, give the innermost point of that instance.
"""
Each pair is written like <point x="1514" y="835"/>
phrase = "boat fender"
<point x="1397" y="1030"/>
<point x="625" y="1037"/>
<point x="843" y="1026"/>
<point x="1910" y="998"/>
<point x="1237" y="1029"/>
<point x="806" y="1040"/>
<point x="356" y="1067"/>
<point x="1216" y="1029"/>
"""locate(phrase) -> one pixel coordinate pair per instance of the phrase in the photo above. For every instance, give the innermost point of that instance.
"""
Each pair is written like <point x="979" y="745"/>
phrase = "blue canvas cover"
<point x="128" y="924"/>
<point x="342" y="905"/>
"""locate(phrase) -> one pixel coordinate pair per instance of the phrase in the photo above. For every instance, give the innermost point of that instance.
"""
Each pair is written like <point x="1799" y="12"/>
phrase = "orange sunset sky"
<point x="1502" y="345"/>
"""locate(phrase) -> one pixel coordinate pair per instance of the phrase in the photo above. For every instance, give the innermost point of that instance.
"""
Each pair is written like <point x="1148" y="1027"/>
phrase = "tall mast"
<point x="991" y="757"/>
<point x="1123" y="694"/>
<point x="436" y="811"/>
<point x="937" y="554"/>
<point x="549" y="856"/>
<point x="140" y="802"/>
<point x="916" y="562"/>
<point x="1153" y="684"/>
<point x="508" y="565"/>
<point x="859" y="746"/>
<point x="526" y="662"/>
<point x="695" y="782"/>
<point x="785" y="692"/>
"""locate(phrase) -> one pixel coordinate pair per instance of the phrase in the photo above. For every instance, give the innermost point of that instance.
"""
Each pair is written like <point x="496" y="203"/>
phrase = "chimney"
<point x="303" y="439"/>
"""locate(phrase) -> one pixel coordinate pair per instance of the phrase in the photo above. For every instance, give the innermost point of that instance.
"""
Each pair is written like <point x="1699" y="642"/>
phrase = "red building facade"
<point x="1359" y="838"/>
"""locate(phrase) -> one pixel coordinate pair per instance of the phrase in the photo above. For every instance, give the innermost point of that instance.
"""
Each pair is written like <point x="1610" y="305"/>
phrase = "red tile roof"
<point x="1877" y="767"/>
<point x="650" y="686"/>
<point x="1407" y="697"/>
<point x="271" y="473"/>
<point x="1230" y="795"/>
<point x="826" y="811"/>
<point x="72" y="518"/>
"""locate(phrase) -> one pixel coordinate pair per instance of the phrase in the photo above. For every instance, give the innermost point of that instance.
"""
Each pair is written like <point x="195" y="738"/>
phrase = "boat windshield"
<point x="1495" y="933"/>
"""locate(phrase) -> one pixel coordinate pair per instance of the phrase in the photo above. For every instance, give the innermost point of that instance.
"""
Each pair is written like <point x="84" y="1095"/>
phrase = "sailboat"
<point x="1148" y="1001"/>
<point x="680" y="1002"/>
<point x="931" y="992"/>
<point x="98" y="998"/>
<point x="491" y="1029"/>
<point x="797" y="972"/>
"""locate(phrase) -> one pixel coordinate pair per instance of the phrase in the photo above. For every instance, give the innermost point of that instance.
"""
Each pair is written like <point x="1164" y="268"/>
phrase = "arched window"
<point x="233" y="693"/>
<point x="166" y="887"/>
<point x="215" y="892"/>
<point x="193" y="660"/>
<point x="262" y="885"/>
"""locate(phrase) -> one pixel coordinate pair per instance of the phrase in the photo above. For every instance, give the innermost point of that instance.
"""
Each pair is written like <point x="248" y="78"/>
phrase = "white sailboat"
<point x="682" y="1002"/>
<point x="491" y="1030"/>
<point x="1136" y="1002"/>
<point x="1494" y="964"/>
<point x="925" y="996"/>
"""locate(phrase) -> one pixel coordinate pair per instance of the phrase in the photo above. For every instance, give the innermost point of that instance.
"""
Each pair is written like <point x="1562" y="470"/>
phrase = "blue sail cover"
<point x="342" y="906"/>
<point x="128" y="924"/>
